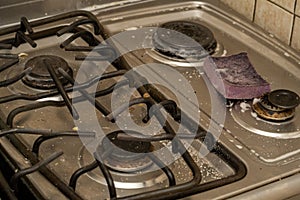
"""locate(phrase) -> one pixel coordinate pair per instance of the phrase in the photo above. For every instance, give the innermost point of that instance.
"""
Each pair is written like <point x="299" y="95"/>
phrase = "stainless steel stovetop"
<point x="253" y="158"/>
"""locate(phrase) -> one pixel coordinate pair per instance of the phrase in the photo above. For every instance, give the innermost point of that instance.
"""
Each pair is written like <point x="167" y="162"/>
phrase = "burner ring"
<point x="273" y="115"/>
<point x="184" y="39"/>
<point x="146" y="177"/>
<point x="264" y="101"/>
<point x="126" y="156"/>
<point x="39" y="77"/>
<point x="284" y="99"/>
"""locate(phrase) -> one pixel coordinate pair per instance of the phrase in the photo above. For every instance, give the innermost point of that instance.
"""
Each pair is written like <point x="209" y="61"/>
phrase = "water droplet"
<point x="26" y="160"/>
<point x="131" y="29"/>
<point x="245" y="106"/>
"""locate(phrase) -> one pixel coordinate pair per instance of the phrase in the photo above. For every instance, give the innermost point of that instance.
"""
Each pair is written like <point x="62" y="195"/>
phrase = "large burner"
<point x="126" y="156"/>
<point x="182" y="39"/>
<point x="40" y="77"/>
<point x="278" y="105"/>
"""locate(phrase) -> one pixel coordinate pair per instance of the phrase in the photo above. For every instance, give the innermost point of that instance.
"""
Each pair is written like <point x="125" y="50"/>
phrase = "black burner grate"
<point x="55" y="68"/>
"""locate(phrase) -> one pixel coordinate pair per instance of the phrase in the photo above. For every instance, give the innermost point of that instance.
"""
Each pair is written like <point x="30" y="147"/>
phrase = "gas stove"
<point x="113" y="103"/>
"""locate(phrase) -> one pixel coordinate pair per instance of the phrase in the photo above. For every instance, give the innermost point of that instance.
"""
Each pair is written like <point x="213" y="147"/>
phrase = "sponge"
<point x="235" y="77"/>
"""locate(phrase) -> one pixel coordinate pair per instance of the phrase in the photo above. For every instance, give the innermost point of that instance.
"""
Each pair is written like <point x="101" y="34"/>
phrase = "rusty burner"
<point x="40" y="77"/>
<point x="278" y="105"/>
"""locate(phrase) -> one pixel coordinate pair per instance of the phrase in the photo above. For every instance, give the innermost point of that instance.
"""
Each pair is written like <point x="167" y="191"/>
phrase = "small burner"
<point x="177" y="39"/>
<point x="40" y="77"/>
<point x="273" y="115"/>
<point x="127" y="156"/>
<point x="284" y="99"/>
<point x="278" y="105"/>
<point x="264" y="101"/>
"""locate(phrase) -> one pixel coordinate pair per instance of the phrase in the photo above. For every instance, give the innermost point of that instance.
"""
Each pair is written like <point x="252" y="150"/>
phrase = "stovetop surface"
<point x="268" y="149"/>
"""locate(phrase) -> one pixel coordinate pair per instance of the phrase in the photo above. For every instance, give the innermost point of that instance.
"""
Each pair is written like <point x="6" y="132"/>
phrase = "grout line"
<point x="293" y="24"/>
<point x="254" y="10"/>
<point x="282" y="6"/>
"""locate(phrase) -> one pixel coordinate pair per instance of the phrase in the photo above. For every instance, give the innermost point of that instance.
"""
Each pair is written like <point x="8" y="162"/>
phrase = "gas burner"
<point x="273" y="115"/>
<point x="265" y="103"/>
<point x="182" y="39"/>
<point x="284" y="99"/>
<point x="126" y="156"/>
<point x="149" y="177"/>
<point x="278" y="105"/>
<point x="39" y="77"/>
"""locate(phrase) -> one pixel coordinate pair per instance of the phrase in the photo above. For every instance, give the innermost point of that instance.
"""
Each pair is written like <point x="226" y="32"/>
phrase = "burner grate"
<point x="58" y="72"/>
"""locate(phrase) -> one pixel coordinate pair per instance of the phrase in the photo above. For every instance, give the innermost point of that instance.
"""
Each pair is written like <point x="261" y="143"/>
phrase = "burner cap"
<point x="284" y="99"/>
<point x="264" y="101"/>
<point x="126" y="147"/>
<point x="177" y="39"/>
<point x="267" y="110"/>
<point x="127" y="156"/>
<point x="39" y="77"/>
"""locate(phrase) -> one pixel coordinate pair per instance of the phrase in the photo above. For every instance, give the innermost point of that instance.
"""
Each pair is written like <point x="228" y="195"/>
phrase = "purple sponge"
<point x="235" y="77"/>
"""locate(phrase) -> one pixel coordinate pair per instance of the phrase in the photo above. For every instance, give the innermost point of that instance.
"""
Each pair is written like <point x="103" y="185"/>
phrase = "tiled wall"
<point x="279" y="17"/>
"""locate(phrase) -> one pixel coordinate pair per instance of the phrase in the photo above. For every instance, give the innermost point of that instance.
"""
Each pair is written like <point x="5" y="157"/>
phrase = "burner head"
<point x="126" y="156"/>
<point x="284" y="99"/>
<point x="182" y="39"/>
<point x="278" y="105"/>
<point x="265" y="103"/>
<point x="39" y="77"/>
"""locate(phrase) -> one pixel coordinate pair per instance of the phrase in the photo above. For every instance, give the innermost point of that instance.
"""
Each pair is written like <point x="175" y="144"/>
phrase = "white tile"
<point x="287" y="4"/>
<point x="244" y="7"/>
<point x="274" y="20"/>
<point x="298" y="8"/>
<point x="296" y="34"/>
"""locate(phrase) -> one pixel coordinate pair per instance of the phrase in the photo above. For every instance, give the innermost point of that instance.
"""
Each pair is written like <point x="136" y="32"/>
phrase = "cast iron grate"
<point x="25" y="33"/>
